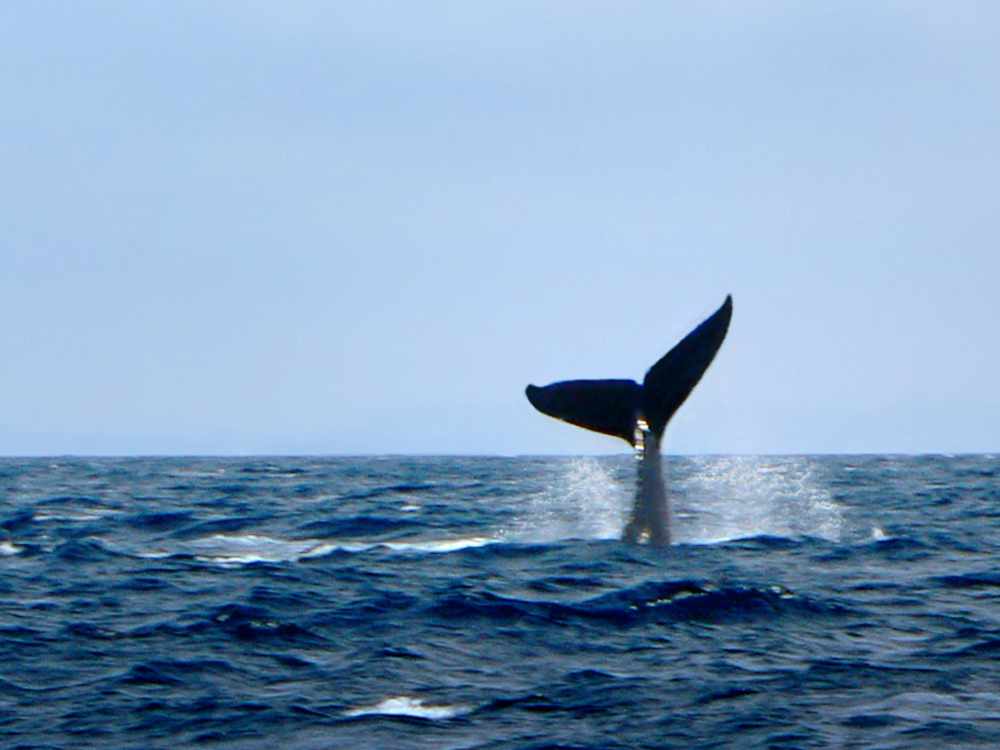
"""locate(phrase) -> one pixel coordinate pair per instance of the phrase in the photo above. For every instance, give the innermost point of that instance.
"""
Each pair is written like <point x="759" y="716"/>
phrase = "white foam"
<point x="7" y="549"/>
<point x="878" y="534"/>
<point x="245" y="549"/>
<point x="438" y="545"/>
<point x="429" y="546"/>
<point x="404" y="705"/>
<point x="45" y="515"/>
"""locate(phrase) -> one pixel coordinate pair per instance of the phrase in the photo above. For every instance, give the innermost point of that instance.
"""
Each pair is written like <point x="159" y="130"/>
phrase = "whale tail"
<point x="613" y="407"/>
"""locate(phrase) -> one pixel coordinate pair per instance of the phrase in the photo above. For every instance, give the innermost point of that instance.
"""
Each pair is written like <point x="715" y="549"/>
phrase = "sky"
<point x="354" y="228"/>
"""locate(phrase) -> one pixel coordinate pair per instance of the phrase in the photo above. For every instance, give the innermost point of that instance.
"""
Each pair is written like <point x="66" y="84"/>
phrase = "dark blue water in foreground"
<point x="849" y="602"/>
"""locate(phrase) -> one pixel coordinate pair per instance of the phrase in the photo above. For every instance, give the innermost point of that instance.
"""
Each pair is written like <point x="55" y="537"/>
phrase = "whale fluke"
<point x="613" y="407"/>
<point x="638" y="414"/>
<point x="607" y="406"/>
<point x="669" y="382"/>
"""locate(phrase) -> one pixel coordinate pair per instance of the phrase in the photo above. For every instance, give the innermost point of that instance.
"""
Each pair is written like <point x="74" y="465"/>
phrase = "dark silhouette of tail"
<point x="614" y="406"/>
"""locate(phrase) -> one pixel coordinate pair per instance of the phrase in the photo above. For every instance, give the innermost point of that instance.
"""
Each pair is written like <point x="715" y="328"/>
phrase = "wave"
<point x="667" y="601"/>
<point x="18" y="521"/>
<point x="985" y="579"/>
<point x="220" y="525"/>
<point x="84" y="550"/>
<point x="406" y="488"/>
<point x="241" y="622"/>
<point x="360" y="525"/>
<point x="174" y="672"/>
<point x="158" y="521"/>
<point x="273" y="470"/>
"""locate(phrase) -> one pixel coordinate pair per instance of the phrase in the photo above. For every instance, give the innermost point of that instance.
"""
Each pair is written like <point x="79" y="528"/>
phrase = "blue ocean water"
<point x="388" y="602"/>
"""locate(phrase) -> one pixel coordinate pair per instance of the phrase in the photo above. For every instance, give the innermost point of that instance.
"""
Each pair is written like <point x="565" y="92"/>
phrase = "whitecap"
<point x="438" y="545"/>
<point x="44" y="515"/>
<point x="878" y="534"/>
<point x="429" y="546"/>
<point x="7" y="549"/>
<point x="404" y="705"/>
<point x="245" y="549"/>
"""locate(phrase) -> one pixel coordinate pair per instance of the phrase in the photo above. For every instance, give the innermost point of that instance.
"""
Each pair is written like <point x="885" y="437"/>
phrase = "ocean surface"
<point x="456" y="602"/>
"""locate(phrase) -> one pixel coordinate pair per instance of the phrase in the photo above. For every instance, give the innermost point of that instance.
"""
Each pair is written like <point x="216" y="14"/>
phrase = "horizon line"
<point x="398" y="454"/>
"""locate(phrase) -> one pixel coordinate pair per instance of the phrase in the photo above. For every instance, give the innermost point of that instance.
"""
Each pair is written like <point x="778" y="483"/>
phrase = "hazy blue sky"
<point x="365" y="227"/>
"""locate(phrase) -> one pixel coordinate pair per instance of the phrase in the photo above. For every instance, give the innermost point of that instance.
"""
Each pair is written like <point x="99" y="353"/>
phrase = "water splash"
<point x="738" y="497"/>
<point x="584" y="501"/>
<point x="714" y="499"/>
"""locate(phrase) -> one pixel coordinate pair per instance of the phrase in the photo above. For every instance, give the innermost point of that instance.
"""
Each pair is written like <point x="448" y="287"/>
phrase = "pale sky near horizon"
<point x="310" y="227"/>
